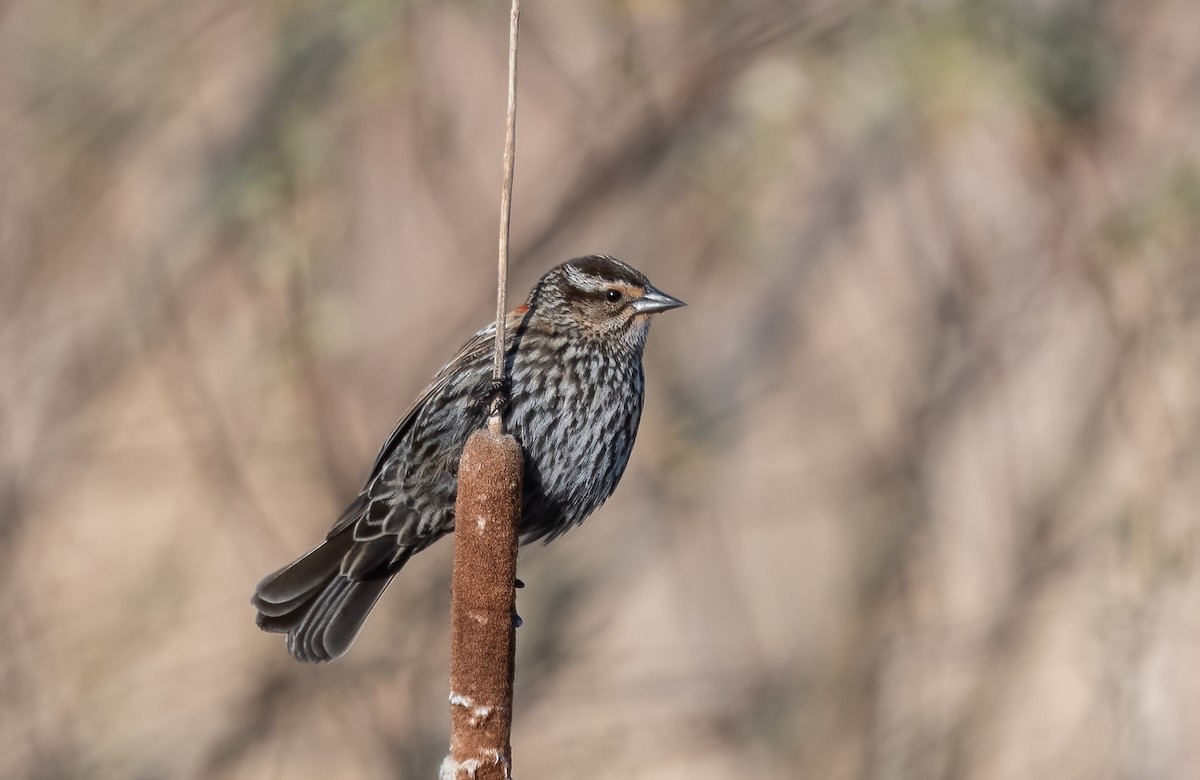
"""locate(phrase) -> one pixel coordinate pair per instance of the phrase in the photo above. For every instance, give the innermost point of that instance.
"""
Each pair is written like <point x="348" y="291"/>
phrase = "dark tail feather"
<point x="331" y="623"/>
<point x="281" y="592"/>
<point x="319" y="609"/>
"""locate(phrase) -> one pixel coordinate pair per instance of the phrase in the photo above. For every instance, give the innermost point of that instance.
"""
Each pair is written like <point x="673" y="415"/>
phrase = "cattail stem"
<point x="487" y="513"/>
<point x="483" y="608"/>
<point x="510" y="148"/>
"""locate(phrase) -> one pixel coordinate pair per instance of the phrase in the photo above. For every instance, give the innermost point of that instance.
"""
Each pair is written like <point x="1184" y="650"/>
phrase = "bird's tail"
<point x="320" y="609"/>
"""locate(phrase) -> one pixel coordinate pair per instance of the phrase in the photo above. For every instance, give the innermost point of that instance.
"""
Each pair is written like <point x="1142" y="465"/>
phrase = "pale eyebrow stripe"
<point x="584" y="281"/>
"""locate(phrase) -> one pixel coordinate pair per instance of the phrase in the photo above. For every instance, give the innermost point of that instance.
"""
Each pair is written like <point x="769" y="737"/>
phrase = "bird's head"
<point x="599" y="297"/>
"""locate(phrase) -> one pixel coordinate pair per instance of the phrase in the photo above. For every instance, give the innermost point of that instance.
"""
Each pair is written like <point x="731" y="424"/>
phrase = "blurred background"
<point x="916" y="490"/>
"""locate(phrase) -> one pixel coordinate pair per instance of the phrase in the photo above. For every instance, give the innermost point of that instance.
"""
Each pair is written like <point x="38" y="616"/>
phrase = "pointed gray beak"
<point x="655" y="301"/>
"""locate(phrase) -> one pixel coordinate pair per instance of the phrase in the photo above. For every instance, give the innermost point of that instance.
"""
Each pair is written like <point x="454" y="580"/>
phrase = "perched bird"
<point x="574" y="364"/>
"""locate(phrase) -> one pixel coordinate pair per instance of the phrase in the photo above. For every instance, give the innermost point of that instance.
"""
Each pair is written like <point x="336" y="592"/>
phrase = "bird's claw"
<point x="497" y="396"/>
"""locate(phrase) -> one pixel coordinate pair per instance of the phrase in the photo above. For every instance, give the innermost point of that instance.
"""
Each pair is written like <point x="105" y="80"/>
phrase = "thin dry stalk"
<point x="495" y="424"/>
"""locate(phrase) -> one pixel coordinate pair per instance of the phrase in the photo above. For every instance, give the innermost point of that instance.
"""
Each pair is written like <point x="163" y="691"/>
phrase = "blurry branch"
<point x="327" y="423"/>
<point x="111" y="332"/>
<point x="722" y="56"/>
<point x="212" y="442"/>
<point x="1048" y="543"/>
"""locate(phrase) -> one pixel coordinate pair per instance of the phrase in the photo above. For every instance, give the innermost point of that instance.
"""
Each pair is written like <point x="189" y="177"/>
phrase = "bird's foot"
<point x="517" y="622"/>
<point x="497" y="396"/>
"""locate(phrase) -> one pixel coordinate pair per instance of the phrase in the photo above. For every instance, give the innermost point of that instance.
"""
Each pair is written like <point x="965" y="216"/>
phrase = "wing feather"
<point x="477" y="346"/>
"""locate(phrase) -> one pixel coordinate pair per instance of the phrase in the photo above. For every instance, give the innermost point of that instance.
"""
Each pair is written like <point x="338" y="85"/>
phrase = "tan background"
<point x="917" y="485"/>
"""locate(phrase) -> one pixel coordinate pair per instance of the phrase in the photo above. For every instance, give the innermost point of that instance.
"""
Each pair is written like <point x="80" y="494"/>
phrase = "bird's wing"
<point x="478" y="345"/>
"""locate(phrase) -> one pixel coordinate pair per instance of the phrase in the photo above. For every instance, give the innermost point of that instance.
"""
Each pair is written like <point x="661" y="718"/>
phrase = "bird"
<point x="575" y="387"/>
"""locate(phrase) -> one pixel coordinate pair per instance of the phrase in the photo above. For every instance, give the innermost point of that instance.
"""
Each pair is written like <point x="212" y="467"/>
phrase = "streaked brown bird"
<point x="574" y="361"/>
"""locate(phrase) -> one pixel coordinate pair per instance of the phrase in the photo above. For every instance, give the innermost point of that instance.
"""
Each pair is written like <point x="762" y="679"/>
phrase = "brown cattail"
<point x="483" y="608"/>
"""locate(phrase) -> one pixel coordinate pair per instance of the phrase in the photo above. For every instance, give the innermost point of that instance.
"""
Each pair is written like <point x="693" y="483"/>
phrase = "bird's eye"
<point x="613" y="295"/>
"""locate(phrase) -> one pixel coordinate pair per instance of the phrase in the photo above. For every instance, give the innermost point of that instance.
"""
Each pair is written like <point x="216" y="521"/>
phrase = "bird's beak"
<point x="654" y="301"/>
